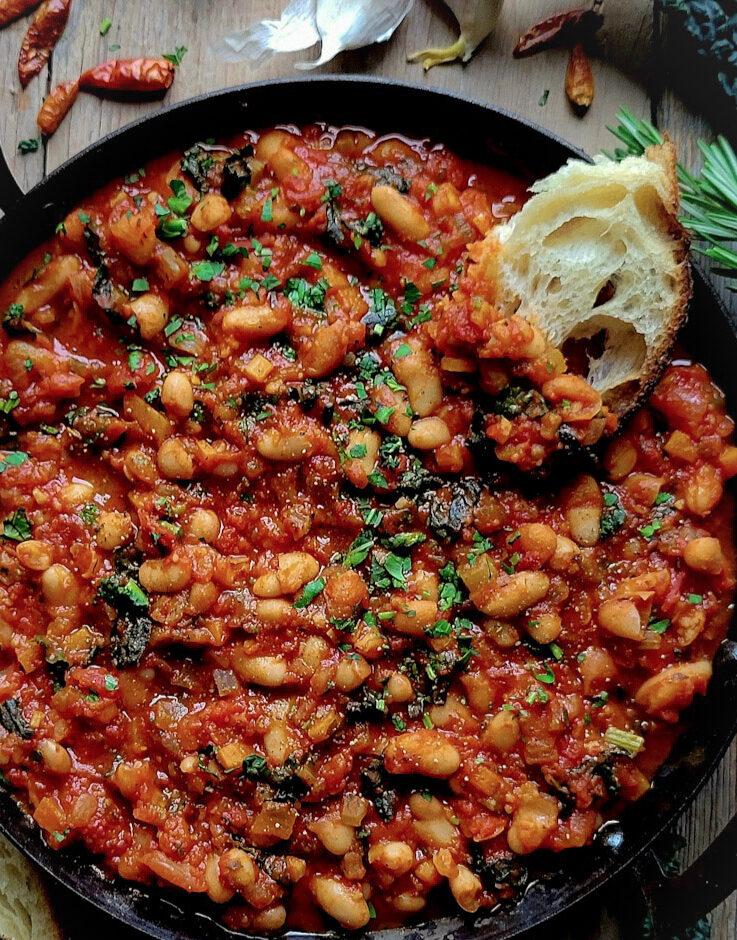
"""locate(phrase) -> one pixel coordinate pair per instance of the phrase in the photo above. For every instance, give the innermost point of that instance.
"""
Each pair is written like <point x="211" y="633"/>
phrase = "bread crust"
<point x="517" y="292"/>
<point x="625" y="401"/>
<point x="25" y="909"/>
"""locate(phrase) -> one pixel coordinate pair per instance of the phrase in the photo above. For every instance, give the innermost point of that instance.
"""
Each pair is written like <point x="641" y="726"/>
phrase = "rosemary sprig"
<point x="709" y="201"/>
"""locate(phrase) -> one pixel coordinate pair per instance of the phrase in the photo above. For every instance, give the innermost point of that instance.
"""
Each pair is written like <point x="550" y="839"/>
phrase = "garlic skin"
<point x="476" y="18"/>
<point x="336" y="24"/>
<point x="296" y="29"/>
<point x="351" y="24"/>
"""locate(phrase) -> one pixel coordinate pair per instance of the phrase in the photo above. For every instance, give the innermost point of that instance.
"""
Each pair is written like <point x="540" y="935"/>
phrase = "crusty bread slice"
<point x="25" y="911"/>
<point x="599" y="247"/>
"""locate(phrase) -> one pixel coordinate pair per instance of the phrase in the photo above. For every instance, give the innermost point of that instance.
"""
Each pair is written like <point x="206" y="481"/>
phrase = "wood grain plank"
<point x="18" y="107"/>
<point x="141" y="28"/>
<point x="678" y="69"/>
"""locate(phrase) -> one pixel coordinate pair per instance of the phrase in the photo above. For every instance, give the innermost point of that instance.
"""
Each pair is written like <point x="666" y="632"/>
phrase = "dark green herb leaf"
<point x="17" y="527"/>
<point x="180" y="201"/>
<point x="613" y="517"/>
<point x="176" y="57"/>
<point x="11" y="718"/>
<point x="310" y="592"/>
<point x="12" y="459"/>
<point x="207" y="270"/>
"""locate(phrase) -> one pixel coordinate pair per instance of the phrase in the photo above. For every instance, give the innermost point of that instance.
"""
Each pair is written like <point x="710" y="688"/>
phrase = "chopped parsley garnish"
<point x="402" y="541"/>
<point x="17" y="528"/>
<point x="173" y="325"/>
<point x="537" y="695"/>
<point x="29" y="145"/>
<point x="89" y="514"/>
<point x="117" y="590"/>
<point x="695" y="598"/>
<point x="613" y="517"/>
<point x="176" y="57"/>
<point x="313" y="260"/>
<point x="397" y="568"/>
<point x="207" y="270"/>
<point x="300" y="293"/>
<point x="12" y="316"/>
<point x="510" y="565"/>
<point x="547" y="677"/>
<point x="7" y="404"/>
<point x="310" y="592"/>
<point x="648" y="531"/>
<point x="105" y="26"/>
<point x="139" y="285"/>
<point x="172" y="228"/>
<point x="382" y="315"/>
<point x="359" y="550"/>
<point x="266" y="213"/>
<point x="383" y="413"/>
<point x="371" y="228"/>
<point x="450" y="591"/>
<point x="333" y="190"/>
<point x="659" y="626"/>
<point x="12" y="459"/>
<point x="180" y="201"/>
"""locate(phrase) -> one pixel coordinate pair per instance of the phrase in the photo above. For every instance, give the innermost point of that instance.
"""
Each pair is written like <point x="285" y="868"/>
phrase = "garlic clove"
<point x="476" y="18"/>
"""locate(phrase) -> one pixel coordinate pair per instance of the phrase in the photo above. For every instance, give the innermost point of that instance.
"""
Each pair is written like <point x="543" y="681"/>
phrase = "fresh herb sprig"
<point x="709" y="200"/>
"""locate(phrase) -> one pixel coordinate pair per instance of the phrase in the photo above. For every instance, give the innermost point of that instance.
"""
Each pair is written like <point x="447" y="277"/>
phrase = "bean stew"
<point x="286" y="619"/>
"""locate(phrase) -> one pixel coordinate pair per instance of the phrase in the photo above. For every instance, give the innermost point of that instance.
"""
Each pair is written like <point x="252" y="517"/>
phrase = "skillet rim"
<point x="117" y="897"/>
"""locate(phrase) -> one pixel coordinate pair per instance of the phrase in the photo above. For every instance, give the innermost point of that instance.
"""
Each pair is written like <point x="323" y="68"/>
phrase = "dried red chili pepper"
<point x="41" y="36"/>
<point x="579" y="79"/>
<point x="557" y="30"/>
<point x="11" y="9"/>
<point x="141" y="75"/>
<point x="56" y="106"/>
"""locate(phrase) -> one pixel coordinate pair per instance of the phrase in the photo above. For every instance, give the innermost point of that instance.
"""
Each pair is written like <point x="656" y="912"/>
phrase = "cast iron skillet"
<point x="559" y="882"/>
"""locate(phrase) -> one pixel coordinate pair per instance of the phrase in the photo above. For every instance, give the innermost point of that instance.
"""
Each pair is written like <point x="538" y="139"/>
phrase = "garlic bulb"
<point x="351" y="24"/>
<point x="477" y="18"/>
<point x="336" y="24"/>
<point x="295" y="30"/>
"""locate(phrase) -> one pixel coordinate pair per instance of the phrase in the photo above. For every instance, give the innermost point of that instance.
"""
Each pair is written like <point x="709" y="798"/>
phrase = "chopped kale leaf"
<point x="236" y="172"/>
<point x="11" y="718"/>
<point x="375" y="787"/>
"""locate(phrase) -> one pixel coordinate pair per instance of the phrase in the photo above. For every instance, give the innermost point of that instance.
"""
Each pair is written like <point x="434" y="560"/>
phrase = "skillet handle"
<point x="678" y="902"/>
<point x="10" y="192"/>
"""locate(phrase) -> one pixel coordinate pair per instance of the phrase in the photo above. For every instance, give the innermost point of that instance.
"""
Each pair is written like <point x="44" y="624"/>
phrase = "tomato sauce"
<point x="280" y="624"/>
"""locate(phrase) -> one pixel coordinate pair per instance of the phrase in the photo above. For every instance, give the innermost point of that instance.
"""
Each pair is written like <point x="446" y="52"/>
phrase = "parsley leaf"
<point x="176" y="57"/>
<point x="17" y="528"/>
<point x="310" y="592"/>
<point x="207" y="270"/>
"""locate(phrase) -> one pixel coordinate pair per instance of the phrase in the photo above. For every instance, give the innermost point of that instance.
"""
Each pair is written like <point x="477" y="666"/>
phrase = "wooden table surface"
<point x="642" y="66"/>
